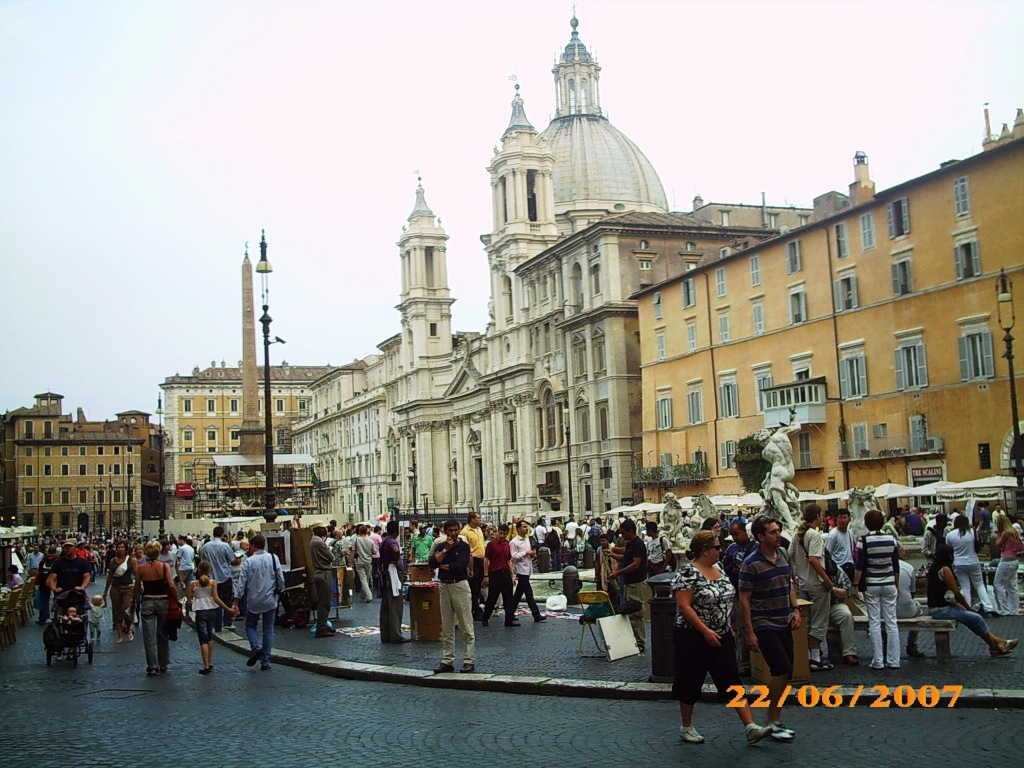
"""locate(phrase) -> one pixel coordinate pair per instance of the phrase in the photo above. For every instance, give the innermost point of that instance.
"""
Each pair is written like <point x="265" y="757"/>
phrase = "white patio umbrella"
<point x="989" y="483"/>
<point x="894" y="491"/>
<point x="934" y="489"/>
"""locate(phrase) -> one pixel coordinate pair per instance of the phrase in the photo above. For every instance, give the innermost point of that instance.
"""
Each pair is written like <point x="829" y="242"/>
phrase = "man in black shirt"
<point x="451" y="559"/>
<point x="632" y="560"/>
<point x="70" y="571"/>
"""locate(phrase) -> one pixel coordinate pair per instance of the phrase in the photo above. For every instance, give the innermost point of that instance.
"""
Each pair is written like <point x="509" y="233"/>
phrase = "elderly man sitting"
<point x="840" y="618"/>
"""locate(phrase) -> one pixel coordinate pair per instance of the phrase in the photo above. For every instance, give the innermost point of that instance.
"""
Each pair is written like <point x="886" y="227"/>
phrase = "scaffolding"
<point x="236" y="486"/>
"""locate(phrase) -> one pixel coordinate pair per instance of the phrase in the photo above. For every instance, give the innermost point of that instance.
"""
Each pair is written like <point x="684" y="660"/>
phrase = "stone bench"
<point x="941" y="628"/>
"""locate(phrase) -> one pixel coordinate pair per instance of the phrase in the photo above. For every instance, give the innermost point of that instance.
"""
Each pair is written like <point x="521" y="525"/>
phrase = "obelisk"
<point x="251" y="438"/>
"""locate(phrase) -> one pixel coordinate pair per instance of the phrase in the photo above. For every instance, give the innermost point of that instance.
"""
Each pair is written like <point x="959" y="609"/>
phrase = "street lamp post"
<point x="568" y="456"/>
<point x="263" y="268"/>
<point x="412" y="476"/>
<point x="1006" y="318"/>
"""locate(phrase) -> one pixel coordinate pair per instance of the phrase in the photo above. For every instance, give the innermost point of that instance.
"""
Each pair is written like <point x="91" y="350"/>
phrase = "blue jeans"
<point x="251" y="620"/>
<point x="973" y="621"/>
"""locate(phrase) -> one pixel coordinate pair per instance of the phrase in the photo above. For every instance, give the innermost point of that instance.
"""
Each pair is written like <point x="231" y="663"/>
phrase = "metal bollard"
<point x="588" y="558"/>
<point x="571" y="584"/>
<point x="543" y="560"/>
<point x="663" y="620"/>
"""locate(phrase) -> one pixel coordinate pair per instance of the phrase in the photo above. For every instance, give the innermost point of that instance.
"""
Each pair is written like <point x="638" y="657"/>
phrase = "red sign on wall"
<point x="184" y="490"/>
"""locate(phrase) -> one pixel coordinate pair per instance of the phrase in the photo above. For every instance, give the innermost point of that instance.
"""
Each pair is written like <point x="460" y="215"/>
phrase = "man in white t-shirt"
<point x="906" y="606"/>
<point x="840" y="542"/>
<point x="539" y="532"/>
<point x="570" y="540"/>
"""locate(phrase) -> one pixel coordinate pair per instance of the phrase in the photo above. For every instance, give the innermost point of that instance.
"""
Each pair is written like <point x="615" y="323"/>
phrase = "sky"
<point x="143" y="144"/>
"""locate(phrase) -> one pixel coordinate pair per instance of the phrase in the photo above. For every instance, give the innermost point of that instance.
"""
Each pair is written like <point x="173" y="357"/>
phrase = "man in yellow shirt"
<point x="474" y="536"/>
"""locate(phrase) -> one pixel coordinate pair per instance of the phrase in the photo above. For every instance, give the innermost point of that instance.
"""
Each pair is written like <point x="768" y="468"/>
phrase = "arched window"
<point x="579" y="355"/>
<point x="582" y="421"/>
<point x="583" y="95"/>
<point x="550" y="420"/>
<point x="572" y="96"/>
<point x="576" y="286"/>
<point x="506" y="293"/>
<point x="597" y="350"/>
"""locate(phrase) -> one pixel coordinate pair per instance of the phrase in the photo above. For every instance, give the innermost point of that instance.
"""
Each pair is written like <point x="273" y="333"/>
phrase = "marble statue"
<point x="781" y="497"/>
<point x="861" y="500"/>
<point x="671" y="523"/>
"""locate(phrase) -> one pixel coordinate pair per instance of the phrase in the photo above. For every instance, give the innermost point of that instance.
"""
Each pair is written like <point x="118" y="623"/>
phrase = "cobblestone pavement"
<point x="109" y="714"/>
<point x="549" y="649"/>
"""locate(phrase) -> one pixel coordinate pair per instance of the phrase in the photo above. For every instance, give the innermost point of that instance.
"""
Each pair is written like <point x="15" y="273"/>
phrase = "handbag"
<point x="174" y="612"/>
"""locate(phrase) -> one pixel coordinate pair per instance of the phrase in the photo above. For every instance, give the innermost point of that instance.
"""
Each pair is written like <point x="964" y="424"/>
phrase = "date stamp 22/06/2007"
<point x="835" y="696"/>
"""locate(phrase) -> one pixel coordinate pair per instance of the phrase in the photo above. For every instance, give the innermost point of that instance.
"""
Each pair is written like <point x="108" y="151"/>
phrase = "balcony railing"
<point x="882" y="448"/>
<point x="807" y="397"/>
<point x="549" y="489"/>
<point x="671" y="476"/>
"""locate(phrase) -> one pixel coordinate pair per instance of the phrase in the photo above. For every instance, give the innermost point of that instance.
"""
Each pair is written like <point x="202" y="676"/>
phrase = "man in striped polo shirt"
<point x="770" y="613"/>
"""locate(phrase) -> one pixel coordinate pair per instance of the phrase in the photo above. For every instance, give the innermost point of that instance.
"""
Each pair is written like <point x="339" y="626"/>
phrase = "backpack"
<point x="553" y="541"/>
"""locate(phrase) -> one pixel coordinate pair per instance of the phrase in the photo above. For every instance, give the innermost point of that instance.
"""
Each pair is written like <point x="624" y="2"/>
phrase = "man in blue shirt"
<point x="220" y="556"/>
<point x="451" y="559"/>
<point x="260" y="582"/>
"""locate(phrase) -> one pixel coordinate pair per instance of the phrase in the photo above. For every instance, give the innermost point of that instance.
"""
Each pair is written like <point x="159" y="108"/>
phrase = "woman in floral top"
<point x="703" y="635"/>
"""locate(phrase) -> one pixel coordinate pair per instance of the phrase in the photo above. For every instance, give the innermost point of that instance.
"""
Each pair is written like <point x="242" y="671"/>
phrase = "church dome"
<point x="597" y="166"/>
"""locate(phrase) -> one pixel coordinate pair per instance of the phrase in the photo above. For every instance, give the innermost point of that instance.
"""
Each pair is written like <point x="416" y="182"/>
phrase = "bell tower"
<point x="426" y="300"/>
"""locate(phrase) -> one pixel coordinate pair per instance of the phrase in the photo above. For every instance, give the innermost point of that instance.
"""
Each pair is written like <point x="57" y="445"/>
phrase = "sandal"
<point x="152" y="672"/>
<point x="163" y="669"/>
<point x="820" y="666"/>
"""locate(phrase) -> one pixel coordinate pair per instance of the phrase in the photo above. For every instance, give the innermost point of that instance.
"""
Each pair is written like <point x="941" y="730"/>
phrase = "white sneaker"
<point x="690" y="735"/>
<point x="779" y="732"/>
<point x="757" y="732"/>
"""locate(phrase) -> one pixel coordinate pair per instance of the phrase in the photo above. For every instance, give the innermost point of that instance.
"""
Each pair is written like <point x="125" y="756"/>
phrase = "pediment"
<point x="465" y="381"/>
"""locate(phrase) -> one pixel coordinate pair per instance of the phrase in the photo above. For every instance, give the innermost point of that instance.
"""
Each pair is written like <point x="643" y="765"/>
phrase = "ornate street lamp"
<point x="1006" y="318"/>
<point x="568" y="456"/>
<point x="160" y="497"/>
<point x="263" y="268"/>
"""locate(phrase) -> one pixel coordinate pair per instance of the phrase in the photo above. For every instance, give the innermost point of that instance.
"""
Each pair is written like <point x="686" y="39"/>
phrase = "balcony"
<point x="806" y="397"/>
<point x="356" y="481"/>
<point x="880" y="449"/>
<point x="671" y="476"/>
<point x="544" y="490"/>
<point x="807" y="460"/>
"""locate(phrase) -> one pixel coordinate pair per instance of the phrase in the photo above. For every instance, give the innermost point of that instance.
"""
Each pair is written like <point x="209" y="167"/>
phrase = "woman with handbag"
<point x="966" y="565"/>
<point x="120" y="586"/>
<point x="155" y="584"/>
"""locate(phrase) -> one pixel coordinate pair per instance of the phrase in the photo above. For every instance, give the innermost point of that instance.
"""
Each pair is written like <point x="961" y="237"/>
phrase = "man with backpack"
<point x="659" y="551"/>
<point x="553" y="541"/>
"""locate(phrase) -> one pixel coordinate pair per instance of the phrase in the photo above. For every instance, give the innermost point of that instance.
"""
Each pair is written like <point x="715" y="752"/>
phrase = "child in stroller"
<point x="66" y="636"/>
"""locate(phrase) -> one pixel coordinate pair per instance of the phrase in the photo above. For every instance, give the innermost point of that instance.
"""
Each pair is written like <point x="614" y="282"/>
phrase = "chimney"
<point x="863" y="188"/>
<point x="81" y="416"/>
<point x="1018" y="124"/>
<point x="698" y="201"/>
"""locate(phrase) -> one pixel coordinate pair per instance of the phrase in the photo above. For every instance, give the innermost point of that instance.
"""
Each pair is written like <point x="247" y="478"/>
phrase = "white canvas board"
<point x="618" y="637"/>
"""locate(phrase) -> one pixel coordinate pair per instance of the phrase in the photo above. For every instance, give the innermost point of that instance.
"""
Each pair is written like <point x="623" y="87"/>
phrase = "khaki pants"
<point x="457" y="603"/>
<point x="636" y="620"/>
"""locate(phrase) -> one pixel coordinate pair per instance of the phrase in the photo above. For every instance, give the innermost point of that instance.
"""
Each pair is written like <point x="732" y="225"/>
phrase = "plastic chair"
<point x="597" y="604"/>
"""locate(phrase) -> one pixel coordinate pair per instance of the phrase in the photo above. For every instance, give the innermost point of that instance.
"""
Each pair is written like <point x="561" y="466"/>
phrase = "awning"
<point x="280" y="459"/>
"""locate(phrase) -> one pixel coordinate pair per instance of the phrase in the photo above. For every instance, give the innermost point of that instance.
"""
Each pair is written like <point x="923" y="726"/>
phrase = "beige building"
<point x="202" y="418"/>
<point x="72" y="474"/>
<point x="876" y="321"/>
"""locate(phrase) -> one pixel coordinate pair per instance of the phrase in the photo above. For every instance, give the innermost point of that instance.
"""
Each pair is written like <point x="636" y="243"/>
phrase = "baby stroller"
<point x="68" y="639"/>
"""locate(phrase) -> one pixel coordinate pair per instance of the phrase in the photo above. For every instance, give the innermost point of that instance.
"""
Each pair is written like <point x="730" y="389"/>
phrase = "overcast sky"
<point x="143" y="143"/>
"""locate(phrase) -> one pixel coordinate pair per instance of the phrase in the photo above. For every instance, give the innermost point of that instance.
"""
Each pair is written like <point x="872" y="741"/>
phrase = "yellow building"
<point x="203" y="416"/>
<point x="877" y="321"/>
<point x="64" y="474"/>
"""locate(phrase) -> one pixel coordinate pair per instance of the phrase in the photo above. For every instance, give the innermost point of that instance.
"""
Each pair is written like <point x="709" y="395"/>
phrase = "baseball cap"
<point x="70" y="543"/>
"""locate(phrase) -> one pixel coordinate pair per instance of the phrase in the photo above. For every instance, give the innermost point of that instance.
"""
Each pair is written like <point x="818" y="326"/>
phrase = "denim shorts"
<point x="205" y="620"/>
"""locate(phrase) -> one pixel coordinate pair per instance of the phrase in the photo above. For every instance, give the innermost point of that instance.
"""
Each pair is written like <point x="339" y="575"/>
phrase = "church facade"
<point x="540" y="413"/>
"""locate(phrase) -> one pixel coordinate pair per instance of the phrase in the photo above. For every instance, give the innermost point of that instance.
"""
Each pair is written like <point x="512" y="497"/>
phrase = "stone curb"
<point x="970" y="698"/>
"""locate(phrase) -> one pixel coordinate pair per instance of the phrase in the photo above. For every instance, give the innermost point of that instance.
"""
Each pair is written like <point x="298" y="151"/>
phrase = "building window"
<point x="99" y="450"/>
<point x="211" y="406"/>
<point x="595" y="278"/>
<point x="695" y="406"/>
<point x="902" y="277"/>
<point x="723" y="252"/>
<point x="728" y="454"/>
<point x="984" y="456"/>
<point x="689" y="293"/>
<point x="729" y="397"/>
<point x="234" y="434"/>
<point x="758" y="311"/>
<point x="803" y="440"/>
<point x="282" y="436"/>
<point x="115" y="468"/>
<point x="65" y="497"/>
<point x="691" y="336"/>
<point x="723" y="328"/>
<point x="47" y="469"/>
<point x="860" y="441"/>
<point x="602" y="421"/>
<point x="99" y="469"/>
<point x="211" y="436"/>
<point x="433" y="330"/>
<point x="976" y="355"/>
<point x="82" y="469"/>
<point x="911" y="366"/>
<point x="279" y="406"/>
<point x="845" y="291"/>
<point x="187" y="436"/>
<point x="664" y="412"/>
<point x="65" y="470"/>
<point x="29" y="498"/>
<point x="755" y="270"/>
<point x="303" y="405"/>
<point x="804" y="219"/>
<point x="797" y="307"/>
<point x="83" y="496"/>
<point x="853" y="376"/>
<point x="63" y="450"/>
<point x="899" y="217"/>
<point x="657" y="305"/>
<point x="234" y="405"/>
<point x="967" y="259"/>
<point x="187" y="405"/>
<point x="962" y="196"/>
<point x="579" y="355"/>
<point x="720" y="282"/>
<point x="762" y="381"/>
<point x="867" y="232"/>
<point x="842" y="246"/>
<point x="723" y="218"/>
<point x="28" y="470"/>
<point x="582" y="423"/>
<point x="645" y="265"/>
<point x="793" y="261"/>
<point x="597" y="349"/>
<point x="81" y="450"/>
<point x="659" y="341"/>
<point x="773" y="220"/>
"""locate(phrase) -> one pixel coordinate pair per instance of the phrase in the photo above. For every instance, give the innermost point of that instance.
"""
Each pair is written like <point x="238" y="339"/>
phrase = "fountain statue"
<point x="781" y="497"/>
